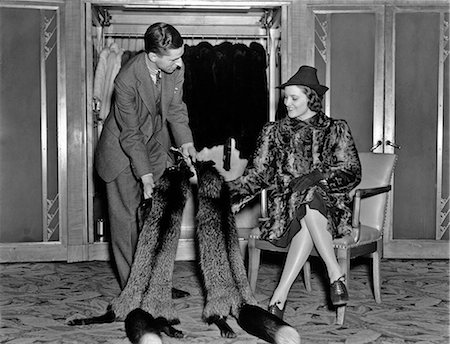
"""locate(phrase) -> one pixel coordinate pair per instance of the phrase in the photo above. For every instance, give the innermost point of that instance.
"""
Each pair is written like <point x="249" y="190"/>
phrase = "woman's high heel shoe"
<point x="275" y="310"/>
<point x="338" y="292"/>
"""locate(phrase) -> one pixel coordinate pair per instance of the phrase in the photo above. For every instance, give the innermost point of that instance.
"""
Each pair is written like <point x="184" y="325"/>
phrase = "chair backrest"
<point x="377" y="169"/>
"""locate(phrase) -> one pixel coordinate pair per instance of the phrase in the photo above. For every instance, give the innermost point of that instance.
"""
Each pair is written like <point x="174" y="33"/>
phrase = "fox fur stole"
<point x="223" y="273"/>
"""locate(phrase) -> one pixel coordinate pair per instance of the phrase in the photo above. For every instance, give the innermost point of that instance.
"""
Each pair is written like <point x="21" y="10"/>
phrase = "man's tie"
<point x="158" y="81"/>
<point x="158" y="119"/>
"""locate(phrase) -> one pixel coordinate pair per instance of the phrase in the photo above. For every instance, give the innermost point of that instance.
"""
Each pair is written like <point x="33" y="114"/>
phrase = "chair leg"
<point x="376" y="275"/>
<point x="307" y="275"/>
<point x="254" y="257"/>
<point x="243" y="244"/>
<point x="340" y="315"/>
<point x="343" y="257"/>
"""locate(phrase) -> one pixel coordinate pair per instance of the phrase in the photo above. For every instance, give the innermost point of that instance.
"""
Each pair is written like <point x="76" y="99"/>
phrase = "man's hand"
<point x="188" y="150"/>
<point x="148" y="184"/>
<point x="190" y="156"/>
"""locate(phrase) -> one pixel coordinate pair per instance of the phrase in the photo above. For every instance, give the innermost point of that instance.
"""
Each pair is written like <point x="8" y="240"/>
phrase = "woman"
<point x="309" y="163"/>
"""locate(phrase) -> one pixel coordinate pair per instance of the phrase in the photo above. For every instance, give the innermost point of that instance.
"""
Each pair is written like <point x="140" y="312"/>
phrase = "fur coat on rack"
<point x="223" y="272"/>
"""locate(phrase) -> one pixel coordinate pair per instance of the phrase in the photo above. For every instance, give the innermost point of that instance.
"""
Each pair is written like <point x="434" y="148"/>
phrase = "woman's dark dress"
<point x="291" y="148"/>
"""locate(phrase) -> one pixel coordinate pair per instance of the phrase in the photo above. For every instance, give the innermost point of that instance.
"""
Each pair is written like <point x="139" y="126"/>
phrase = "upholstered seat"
<point x="367" y="235"/>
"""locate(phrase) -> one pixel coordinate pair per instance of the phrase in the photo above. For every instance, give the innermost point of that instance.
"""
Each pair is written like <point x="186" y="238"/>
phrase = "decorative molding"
<point x="320" y="42"/>
<point x="49" y="31"/>
<point x="52" y="213"/>
<point x="33" y="252"/>
<point x="416" y="249"/>
<point x="442" y="164"/>
<point x="444" y="217"/>
<point x="445" y="45"/>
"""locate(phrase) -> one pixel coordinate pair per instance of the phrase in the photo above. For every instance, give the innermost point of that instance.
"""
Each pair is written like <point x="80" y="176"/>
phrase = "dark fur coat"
<point x="223" y="272"/>
<point x="291" y="148"/>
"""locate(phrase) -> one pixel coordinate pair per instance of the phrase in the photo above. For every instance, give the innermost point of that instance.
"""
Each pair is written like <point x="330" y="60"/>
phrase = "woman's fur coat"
<point x="289" y="149"/>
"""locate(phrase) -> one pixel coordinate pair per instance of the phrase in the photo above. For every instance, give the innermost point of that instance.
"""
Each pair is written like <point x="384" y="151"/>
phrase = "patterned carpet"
<point x="37" y="298"/>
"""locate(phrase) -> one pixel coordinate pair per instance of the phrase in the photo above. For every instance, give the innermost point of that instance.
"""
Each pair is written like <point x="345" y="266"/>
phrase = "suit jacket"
<point x="134" y="132"/>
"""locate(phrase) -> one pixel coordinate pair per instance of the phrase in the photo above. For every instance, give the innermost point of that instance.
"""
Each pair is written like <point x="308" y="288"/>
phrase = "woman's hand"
<point x="300" y="184"/>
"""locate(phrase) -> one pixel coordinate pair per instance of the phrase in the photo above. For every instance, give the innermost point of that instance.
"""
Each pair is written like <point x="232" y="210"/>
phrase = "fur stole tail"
<point x="142" y="328"/>
<point x="262" y="324"/>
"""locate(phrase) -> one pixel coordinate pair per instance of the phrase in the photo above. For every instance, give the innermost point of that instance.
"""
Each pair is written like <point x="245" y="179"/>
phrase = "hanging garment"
<point x="108" y="67"/>
<point x="200" y="95"/>
<point x="100" y="74"/>
<point x="226" y="93"/>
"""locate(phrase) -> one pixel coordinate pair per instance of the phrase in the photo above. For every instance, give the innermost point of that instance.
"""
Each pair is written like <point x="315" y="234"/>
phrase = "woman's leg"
<point x="323" y="241"/>
<point x="299" y="251"/>
<point x="313" y="233"/>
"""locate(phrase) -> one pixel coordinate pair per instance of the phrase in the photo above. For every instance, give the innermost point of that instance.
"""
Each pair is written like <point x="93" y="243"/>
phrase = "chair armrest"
<point x="359" y="195"/>
<point x="369" y="192"/>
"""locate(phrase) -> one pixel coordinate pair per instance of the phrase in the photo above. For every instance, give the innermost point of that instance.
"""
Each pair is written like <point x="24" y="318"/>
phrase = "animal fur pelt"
<point x="150" y="283"/>
<point x="138" y="325"/>
<point x="142" y="328"/>
<point x="224" y="276"/>
<point x="265" y="325"/>
<point x="146" y="304"/>
<point x="223" y="271"/>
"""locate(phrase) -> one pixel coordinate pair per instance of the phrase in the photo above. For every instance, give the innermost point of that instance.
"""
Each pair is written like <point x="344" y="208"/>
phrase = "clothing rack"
<point x="135" y="41"/>
<point x="267" y="35"/>
<point x="194" y="36"/>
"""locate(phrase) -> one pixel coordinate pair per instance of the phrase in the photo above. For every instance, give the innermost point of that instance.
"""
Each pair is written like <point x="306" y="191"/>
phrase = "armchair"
<point x="369" y="215"/>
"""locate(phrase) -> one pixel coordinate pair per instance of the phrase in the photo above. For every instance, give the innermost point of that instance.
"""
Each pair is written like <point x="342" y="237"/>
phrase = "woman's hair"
<point x="160" y="37"/>
<point x="314" y="101"/>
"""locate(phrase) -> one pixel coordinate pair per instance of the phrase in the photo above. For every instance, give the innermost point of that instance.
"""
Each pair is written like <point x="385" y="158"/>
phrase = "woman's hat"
<point x="306" y="76"/>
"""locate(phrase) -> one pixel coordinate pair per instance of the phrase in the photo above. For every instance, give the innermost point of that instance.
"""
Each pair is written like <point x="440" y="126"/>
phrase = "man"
<point x="148" y="113"/>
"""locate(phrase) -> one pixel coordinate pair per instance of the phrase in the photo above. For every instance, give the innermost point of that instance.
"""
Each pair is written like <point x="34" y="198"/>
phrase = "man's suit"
<point x="135" y="141"/>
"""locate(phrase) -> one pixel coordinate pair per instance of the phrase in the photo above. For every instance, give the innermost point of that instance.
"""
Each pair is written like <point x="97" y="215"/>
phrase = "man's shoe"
<point x="338" y="292"/>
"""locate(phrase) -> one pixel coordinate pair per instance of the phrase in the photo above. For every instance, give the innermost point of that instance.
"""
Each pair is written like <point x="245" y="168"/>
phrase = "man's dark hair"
<point x="160" y="37"/>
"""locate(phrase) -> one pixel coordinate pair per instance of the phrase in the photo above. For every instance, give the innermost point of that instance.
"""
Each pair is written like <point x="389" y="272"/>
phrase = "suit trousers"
<point x="124" y="196"/>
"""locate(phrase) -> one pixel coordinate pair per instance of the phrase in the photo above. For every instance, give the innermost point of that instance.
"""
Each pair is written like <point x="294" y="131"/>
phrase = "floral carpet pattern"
<point x="36" y="299"/>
